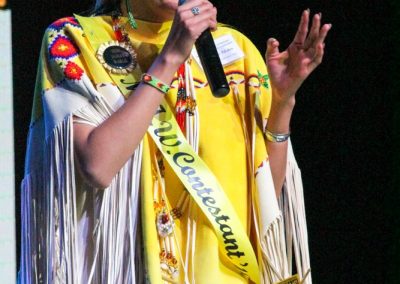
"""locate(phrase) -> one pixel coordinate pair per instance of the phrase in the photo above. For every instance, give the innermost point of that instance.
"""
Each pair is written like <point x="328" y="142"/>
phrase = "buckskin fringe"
<point x="269" y="229"/>
<point x="292" y="204"/>
<point x="51" y="250"/>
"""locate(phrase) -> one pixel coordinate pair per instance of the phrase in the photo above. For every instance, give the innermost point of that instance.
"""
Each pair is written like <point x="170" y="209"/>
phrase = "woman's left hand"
<point x="288" y="69"/>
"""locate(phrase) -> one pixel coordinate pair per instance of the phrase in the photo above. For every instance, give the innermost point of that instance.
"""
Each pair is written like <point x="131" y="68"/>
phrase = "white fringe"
<point x="274" y="262"/>
<point x="192" y="136"/>
<point x="50" y="236"/>
<point x="281" y="236"/>
<point x="292" y="204"/>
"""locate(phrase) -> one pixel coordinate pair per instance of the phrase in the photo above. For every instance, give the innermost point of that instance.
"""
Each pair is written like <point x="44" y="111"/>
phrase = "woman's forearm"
<point x="102" y="151"/>
<point x="279" y="122"/>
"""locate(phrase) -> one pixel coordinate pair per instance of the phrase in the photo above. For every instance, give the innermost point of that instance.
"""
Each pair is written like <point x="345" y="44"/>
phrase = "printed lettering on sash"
<point x="206" y="191"/>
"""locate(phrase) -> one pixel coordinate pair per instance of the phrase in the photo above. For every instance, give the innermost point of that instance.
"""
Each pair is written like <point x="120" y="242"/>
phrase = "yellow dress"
<point x="69" y="63"/>
<point x="222" y="147"/>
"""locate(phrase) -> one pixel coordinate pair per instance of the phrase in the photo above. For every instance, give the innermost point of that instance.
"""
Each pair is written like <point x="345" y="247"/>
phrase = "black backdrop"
<point x="343" y="129"/>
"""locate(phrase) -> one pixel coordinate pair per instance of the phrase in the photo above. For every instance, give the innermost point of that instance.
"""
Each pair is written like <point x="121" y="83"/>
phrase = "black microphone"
<point x="211" y="63"/>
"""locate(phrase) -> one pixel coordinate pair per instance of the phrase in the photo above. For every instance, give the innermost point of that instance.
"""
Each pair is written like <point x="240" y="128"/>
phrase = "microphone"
<point x="211" y="63"/>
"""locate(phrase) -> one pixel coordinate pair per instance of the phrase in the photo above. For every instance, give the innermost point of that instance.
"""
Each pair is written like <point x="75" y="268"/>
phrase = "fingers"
<point x="314" y="32"/>
<point x="322" y="34"/>
<point x="187" y="26"/>
<point x="317" y="34"/>
<point x="272" y="48"/>
<point x="312" y="44"/>
<point x="197" y="22"/>
<point x="207" y="17"/>
<point x="188" y="5"/>
<point x="204" y="9"/>
<point x="319" y="46"/>
<point x="302" y="30"/>
<point x="303" y="39"/>
<point x="319" y="54"/>
<point x="314" y="50"/>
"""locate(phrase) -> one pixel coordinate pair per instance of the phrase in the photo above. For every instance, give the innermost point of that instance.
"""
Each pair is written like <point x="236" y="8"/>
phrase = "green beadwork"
<point x="131" y="19"/>
<point x="263" y="79"/>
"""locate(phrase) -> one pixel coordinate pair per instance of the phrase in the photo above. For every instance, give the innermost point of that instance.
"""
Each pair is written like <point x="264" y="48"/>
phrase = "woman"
<point x="100" y="201"/>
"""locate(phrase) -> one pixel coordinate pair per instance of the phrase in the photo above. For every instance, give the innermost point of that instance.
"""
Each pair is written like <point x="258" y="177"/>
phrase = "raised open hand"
<point x="288" y="69"/>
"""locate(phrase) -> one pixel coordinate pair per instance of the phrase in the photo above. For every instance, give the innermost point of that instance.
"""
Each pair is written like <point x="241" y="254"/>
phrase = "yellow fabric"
<point x="233" y="241"/>
<point x="222" y="142"/>
<point x="150" y="240"/>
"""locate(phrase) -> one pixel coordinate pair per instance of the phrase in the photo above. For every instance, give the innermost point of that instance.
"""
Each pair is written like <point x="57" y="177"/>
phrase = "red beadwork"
<point x="180" y="106"/>
<point x="147" y="78"/>
<point x="73" y="71"/>
<point x="62" y="47"/>
<point x="165" y="218"/>
<point x="118" y="31"/>
<point x="119" y="36"/>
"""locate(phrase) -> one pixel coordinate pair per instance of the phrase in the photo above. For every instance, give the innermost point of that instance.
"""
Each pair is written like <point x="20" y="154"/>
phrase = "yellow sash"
<point x="202" y="185"/>
<point x="205" y="190"/>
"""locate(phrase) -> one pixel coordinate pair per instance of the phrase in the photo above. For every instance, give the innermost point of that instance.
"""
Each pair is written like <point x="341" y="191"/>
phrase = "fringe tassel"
<point x="274" y="262"/>
<point x="48" y="203"/>
<point x="292" y="204"/>
<point x="52" y="250"/>
<point x="285" y="236"/>
<point x="269" y="228"/>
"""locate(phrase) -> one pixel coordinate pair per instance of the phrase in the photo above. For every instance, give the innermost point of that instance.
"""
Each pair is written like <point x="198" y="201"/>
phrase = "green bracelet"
<point x="276" y="137"/>
<point x="154" y="82"/>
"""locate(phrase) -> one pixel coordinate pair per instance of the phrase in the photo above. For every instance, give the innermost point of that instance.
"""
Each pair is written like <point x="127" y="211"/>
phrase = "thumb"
<point x="272" y="47"/>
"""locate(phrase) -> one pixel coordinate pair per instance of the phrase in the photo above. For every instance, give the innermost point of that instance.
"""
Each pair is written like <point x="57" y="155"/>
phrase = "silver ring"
<point x="195" y="11"/>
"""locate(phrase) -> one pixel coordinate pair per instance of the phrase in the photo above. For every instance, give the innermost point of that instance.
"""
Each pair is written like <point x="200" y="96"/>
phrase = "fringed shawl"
<point x="75" y="233"/>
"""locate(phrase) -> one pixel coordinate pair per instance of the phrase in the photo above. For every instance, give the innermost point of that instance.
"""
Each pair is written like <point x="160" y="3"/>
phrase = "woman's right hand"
<point x="103" y="150"/>
<point x="186" y="28"/>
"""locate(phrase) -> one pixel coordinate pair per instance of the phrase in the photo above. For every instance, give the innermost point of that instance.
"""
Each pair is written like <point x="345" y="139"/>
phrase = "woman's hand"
<point x="99" y="158"/>
<point x="288" y="69"/>
<point x="187" y="27"/>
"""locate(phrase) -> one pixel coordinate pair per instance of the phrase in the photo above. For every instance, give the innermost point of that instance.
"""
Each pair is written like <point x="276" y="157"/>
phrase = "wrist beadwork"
<point x="155" y="83"/>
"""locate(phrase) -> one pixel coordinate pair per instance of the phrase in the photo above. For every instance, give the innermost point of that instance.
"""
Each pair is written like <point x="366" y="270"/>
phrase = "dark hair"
<point x="105" y="7"/>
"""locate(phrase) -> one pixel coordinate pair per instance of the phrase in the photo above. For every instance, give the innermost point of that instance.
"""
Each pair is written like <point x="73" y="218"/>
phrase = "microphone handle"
<point x="211" y="63"/>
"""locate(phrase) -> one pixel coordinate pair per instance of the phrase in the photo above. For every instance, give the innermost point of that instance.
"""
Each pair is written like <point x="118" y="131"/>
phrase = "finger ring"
<point x="195" y="11"/>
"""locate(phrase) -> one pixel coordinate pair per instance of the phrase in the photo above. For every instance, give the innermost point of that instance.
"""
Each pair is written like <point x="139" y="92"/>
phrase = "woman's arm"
<point x="102" y="151"/>
<point x="287" y="71"/>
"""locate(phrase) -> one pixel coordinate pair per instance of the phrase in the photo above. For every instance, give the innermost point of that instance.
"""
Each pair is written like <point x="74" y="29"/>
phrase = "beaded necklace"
<point x="188" y="121"/>
<point x="118" y="56"/>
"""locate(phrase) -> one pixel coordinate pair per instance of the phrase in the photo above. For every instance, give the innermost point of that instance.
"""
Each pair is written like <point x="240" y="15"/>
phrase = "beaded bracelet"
<point x="154" y="82"/>
<point x="276" y="137"/>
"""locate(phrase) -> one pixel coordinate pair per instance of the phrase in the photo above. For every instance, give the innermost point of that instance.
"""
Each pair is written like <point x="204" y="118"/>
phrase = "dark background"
<point x="344" y="128"/>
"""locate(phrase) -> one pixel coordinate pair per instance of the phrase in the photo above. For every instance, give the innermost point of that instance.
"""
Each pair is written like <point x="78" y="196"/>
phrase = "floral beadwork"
<point x="61" y="23"/>
<point x="62" y="48"/>
<point x="165" y="227"/>
<point x="169" y="264"/>
<point x="73" y="71"/>
<point x="165" y="224"/>
<point x="263" y="79"/>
